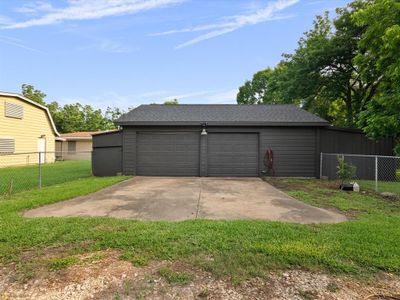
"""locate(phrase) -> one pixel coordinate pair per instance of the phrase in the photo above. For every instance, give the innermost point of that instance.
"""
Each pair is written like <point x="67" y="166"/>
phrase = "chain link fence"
<point x="380" y="173"/>
<point x="25" y="171"/>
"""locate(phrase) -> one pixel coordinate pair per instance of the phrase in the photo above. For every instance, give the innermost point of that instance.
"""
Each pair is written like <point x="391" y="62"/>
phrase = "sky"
<point x="123" y="53"/>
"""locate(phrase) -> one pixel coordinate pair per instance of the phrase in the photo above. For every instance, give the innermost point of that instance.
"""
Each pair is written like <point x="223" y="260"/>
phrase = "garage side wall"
<point x="295" y="148"/>
<point x="107" y="154"/>
<point x="347" y="141"/>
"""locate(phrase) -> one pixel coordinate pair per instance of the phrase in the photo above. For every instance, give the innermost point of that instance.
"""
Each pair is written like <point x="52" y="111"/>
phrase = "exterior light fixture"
<point x="204" y="131"/>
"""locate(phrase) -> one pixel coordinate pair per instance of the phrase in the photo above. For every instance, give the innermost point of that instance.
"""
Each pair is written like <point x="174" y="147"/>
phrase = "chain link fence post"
<point x="40" y="170"/>
<point x="376" y="173"/>
<point x="321" y="157"/>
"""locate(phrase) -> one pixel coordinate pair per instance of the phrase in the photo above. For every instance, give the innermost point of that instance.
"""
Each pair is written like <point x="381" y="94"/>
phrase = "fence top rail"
<point x="361" y="155"/>
<point x="19" y="153"/>
<point x="45" y="152"/>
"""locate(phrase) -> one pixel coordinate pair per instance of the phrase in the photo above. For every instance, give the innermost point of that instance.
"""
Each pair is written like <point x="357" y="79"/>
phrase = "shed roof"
<point x="220" y="114"/>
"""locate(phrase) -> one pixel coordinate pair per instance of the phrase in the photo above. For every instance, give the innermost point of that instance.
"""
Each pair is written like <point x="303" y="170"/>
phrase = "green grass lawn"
<point x="383" y="186"/>
<point x="241" y="249"/>
<point x="16" y="179"/>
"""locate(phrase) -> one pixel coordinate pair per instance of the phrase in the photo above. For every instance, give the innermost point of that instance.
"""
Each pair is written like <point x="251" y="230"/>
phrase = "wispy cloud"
<point x="18" y="43"/>
<point x="108" y="46"/>
<point x="36" y="7"/>
<point x="131" y="100"/>
<point x="4" y="20"/>
<point x="222" y="97"/>
<point x="202" y="96"/>
<point x="86" y="10"/>
<point x="232" y="23"/>
<point x="186" y="95"/>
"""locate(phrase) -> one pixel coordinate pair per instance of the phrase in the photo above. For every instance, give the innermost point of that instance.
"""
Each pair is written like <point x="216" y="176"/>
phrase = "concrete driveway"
<point x="183" y="198"/>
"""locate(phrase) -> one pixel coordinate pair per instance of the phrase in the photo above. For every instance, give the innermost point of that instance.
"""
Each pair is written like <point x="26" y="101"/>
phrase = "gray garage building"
<point x="221" y="140"/>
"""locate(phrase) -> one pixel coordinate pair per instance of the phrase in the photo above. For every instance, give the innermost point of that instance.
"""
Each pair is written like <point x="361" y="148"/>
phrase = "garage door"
<point x="232" y="154"/>
<point x="168" y="154"/>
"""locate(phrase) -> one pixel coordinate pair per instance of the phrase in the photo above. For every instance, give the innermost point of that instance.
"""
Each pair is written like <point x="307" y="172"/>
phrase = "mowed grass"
<point x="383" y="186"/>
<point x="17" y="179"/>
<point x="240" y="249"/>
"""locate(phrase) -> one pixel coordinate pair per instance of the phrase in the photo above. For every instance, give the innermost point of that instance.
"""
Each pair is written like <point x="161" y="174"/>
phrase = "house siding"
<point x="294" y="150"/>
<point x="82" y="150"/>
<point x="129" y="151"/>
<point x="26" y="131"/>
<point x="107" y="154"/>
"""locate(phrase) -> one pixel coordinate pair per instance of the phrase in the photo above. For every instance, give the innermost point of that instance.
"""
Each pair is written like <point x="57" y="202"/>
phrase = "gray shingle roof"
<point x="215" y="114"/>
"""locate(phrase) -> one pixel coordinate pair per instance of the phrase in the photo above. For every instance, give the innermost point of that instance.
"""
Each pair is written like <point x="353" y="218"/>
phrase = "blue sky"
<point x="129" y="52"/>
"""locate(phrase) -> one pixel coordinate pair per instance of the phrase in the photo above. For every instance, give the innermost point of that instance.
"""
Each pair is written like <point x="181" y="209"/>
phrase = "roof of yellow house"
<point x="19" y="96"/>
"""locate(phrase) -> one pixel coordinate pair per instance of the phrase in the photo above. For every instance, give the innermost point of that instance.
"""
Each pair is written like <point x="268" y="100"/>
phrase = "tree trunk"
<point x="349" y="108"/>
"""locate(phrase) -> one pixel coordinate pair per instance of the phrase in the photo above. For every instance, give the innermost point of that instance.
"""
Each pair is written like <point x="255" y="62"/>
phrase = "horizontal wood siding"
<point x="111" y="139"/>
<point x="129" y="151"/>
<point x="26" y="131"/>
<point x="294" y="150"/>
<point x="107" y="154"/>
<point x="344" y="142"/>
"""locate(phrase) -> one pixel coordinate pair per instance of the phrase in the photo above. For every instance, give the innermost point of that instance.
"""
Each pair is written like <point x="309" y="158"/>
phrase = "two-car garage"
<point x="179" y="154"/>
<point x="210" y="140"/>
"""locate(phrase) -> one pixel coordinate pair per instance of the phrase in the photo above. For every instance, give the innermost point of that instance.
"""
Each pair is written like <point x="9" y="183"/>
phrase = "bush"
<point x="345" y="171"/>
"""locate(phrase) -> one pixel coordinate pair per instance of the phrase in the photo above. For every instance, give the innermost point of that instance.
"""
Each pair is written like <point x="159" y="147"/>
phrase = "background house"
<point x="75" y="145"/>
<point x="26" y="128"/>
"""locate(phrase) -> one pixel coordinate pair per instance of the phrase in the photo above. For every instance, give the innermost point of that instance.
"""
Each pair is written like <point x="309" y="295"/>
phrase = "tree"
<point x="380" y="44"/>
<point x="74" y="117"/>
<point x="323" y="75"/>
<point x="31" y="93"/>
<point x="171" y="102"/>
<point x="257" y="90"/>
<point x="265" y="87"/>
<point x="111" y="114"/>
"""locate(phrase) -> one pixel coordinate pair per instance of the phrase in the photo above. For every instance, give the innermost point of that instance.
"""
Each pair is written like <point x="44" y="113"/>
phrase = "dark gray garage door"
<point x="232" y="154"/>
<point x="168" y="154"/>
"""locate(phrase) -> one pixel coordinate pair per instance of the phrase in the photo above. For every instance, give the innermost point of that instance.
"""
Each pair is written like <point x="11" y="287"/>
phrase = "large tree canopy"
<point x="346" y="70"/>
<point x="381" y="45"/>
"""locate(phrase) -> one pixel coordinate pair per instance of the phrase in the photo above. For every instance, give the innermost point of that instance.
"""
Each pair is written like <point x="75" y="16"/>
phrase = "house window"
<point x="72" y="146"/>
<point x="13" y="110"/>
<point x="7" y="145"/>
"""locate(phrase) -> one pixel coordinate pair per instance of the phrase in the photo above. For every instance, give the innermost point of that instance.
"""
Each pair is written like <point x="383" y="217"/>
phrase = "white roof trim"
<point x="78" y="138"/>
<point x="6" y="94"/>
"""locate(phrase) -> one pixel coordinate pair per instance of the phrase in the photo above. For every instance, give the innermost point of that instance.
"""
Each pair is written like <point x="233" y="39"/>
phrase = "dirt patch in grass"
<point x="103" y="275"/>
<point x="326" y="194"/>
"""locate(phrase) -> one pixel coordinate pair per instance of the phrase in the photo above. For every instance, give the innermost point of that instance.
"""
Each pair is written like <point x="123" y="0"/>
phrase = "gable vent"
<point x="14" y="110"/>
<point x="7" y="145"/>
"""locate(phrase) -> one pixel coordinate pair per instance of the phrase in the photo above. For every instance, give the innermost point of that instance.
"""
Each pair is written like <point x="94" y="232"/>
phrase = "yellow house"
<point x="26" y="129"/>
